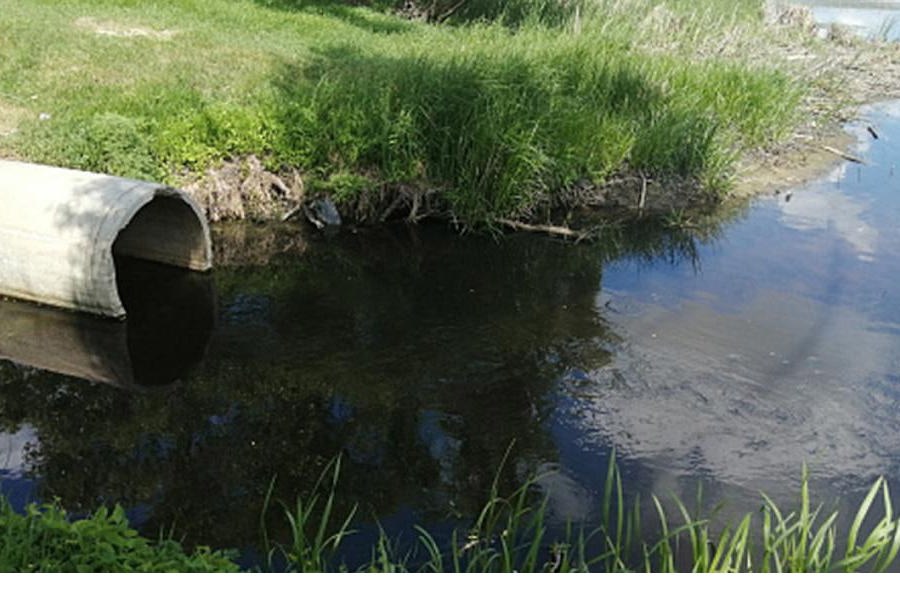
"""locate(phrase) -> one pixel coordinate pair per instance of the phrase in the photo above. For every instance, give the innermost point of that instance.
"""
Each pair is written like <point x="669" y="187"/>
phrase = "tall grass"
<point x="513" y="533"/>
<point x="496" y="119"/>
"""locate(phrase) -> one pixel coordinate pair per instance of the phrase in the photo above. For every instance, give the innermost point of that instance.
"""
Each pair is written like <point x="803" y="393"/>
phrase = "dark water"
<point x="728" y="357"/>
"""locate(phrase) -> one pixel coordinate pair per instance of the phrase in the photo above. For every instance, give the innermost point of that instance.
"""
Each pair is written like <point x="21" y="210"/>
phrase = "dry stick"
<point x="390" y="209"/>
<point x="844" y="155"/>
<point x="551" y="229"/>
<point x="290" y="214"/>
<point x="643" y="199"/>
<point x="449" y="13"/>
<point x="414" y="209"/>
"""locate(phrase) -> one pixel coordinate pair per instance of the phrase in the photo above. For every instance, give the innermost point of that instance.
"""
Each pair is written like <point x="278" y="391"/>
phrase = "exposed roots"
<point x="243" y="189"/>
<point x="638" y="192"/>
<point x="842" y="71"/>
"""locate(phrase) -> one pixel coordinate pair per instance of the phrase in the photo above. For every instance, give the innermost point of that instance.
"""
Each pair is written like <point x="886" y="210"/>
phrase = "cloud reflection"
<point x="748" y="398"/>
<point x="13" y="450"/>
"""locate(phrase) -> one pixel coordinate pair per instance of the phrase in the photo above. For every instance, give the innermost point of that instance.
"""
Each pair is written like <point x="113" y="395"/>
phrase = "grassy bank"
<point x="478" y="119"/>
<point x="510" y="534"/>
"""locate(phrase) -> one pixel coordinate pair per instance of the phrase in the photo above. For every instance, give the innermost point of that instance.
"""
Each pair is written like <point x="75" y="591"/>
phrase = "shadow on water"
<point x="171" y="315"/>
<point x="418" y="354"/>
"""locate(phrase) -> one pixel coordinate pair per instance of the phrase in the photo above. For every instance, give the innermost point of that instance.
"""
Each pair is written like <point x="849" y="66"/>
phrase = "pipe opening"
<point x="168" y="303"/>
<point x="166" y="230"/>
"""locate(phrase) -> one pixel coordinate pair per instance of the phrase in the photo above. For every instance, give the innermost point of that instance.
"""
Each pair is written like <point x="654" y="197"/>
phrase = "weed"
<point x="46" y="539"/>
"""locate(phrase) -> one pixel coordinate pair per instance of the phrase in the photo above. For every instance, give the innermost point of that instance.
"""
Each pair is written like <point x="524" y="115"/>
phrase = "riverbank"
<point x="256" y="107"/>
<point x="843" y="73"/>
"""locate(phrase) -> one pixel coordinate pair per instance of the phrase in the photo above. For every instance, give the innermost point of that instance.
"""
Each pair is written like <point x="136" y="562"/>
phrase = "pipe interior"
<point x="165" y="230"/>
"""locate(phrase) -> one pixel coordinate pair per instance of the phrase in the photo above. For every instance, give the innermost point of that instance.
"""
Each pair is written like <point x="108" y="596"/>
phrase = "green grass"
<point x="497" y="118"/>
<point x="511" y="533"/>
<point x="45" y="539"/>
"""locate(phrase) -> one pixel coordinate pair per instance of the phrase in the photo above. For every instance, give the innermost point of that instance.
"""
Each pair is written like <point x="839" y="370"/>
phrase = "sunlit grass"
<point x="495" y="119"/>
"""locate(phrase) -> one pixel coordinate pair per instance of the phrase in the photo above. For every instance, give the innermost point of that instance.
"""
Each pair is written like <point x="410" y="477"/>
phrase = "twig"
<point x="414" y="209"/>
<point x="844" y="155"/>
<point x="390" y="209"/>
<point x="449" y="13"/>
<point x="291" y="213"/>
<point x="643" y="199"/>
<point x="550" y="229"/>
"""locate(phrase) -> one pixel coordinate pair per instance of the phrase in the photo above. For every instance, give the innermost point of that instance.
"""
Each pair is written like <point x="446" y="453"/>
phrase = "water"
<point x="728" y="358"/>
<point x="879" y="19"/>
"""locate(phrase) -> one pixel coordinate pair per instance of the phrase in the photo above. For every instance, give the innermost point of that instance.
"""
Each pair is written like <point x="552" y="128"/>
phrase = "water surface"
<point x="875" y="19"/>
<point x="727" y="357"/>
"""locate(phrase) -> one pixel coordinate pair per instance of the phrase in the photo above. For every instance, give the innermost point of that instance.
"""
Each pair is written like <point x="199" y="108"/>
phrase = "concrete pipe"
<point x="60" y="230"/>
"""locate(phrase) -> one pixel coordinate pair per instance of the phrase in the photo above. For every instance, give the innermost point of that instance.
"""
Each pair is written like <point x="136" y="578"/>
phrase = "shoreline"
<point x="806" y="156"/>
<point x="701" y="110"/>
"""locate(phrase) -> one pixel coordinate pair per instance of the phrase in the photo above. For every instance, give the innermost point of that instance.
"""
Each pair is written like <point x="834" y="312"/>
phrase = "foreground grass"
<point x="510" y="534"/>
<point x="494" y="118"/>
<point x="44" y="539"/>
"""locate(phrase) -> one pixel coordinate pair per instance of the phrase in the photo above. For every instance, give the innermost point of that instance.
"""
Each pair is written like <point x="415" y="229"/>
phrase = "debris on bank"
<point x="243" y="189"/>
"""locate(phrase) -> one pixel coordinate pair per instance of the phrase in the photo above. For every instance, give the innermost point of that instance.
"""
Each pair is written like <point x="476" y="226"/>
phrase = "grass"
<point x="45" y="539"/>
<point x="511" y="533"/>
<point x="497" y="116"/>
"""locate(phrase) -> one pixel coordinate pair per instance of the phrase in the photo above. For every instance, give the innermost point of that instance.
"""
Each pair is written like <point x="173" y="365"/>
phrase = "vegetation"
<point x="510" y="534"/>
<point x="45" y="539"/>
<point x="497" y="114"/>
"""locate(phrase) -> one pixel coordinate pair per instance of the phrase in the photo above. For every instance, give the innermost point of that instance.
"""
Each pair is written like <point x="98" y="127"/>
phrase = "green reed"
<point x="513" y="533"/>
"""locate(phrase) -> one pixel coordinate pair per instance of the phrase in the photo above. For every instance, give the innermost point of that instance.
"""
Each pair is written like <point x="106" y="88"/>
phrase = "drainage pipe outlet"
<point x="61" y="229"/>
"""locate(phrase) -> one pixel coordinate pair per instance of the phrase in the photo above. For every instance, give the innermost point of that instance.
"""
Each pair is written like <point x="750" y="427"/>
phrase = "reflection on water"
<point x="783" y="350"/>
<point x="421" y="355"/>
<point x="729" y="357"/>
<point x="879" y="19"/>
<point x="171" y="314"/>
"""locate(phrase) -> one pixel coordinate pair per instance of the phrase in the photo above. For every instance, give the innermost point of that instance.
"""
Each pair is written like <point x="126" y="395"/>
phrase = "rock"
<point x="322" y="213"/>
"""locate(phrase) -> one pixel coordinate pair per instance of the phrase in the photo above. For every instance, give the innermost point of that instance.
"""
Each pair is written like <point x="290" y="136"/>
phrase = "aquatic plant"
<point x="511" y="533"/>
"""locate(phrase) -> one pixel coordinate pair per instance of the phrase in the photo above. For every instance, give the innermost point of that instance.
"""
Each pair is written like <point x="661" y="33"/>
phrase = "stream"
<point x="725" y="356"/>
